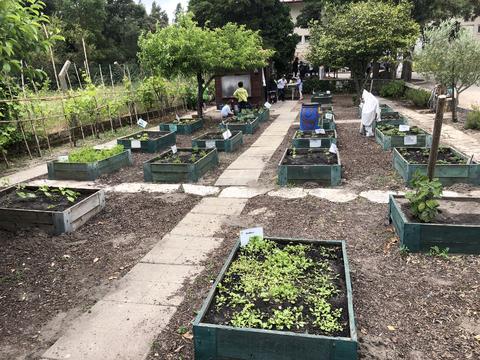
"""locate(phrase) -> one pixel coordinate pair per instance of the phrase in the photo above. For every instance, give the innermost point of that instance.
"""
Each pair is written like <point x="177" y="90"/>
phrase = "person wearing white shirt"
<point x="281" y="87"/>
<point x="299" y="85"/>
<point x="226" y="110"/>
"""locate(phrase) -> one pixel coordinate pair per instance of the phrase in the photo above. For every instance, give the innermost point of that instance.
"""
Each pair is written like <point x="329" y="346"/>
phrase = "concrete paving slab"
<point x="65" y="183"/>
<point x="289" y="193"/>
<point x="154" y="284"/>
<point x="377" y="196"/>
<point x="333" y="195"/>
<point x="243" y="192"/>
<point x="258" y="151"/>
<point x="25" y="175"/>
<point x="239" y="177"/>
<point x="144" y="187"/>
<point x="270" y="142"/>
<point x="219" y="206"/>
<point x="187" y="242"/>
<point x="176" y="256"/>
<point x="200" y="190"/>
<point x="249" y="163"/>
<point x="112" y="331"/>
<point x="199" y="225"/>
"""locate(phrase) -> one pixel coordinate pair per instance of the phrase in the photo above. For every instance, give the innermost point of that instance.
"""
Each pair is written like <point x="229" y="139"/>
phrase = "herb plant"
<point x="423" y="203"/>
<point x="89" y="154"/>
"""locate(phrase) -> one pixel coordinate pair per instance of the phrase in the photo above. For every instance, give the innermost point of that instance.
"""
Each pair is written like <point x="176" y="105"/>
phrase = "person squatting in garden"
<point x="227" y="110"/>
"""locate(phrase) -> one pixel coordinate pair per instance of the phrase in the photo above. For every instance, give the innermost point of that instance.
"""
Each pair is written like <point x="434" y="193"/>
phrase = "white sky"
<point x="167" y="5"/>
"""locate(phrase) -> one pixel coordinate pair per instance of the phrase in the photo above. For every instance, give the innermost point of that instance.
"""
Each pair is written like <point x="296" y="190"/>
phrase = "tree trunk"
<point x="200" y="95"/>
<point x="376" y="70"/>
<point x="407" y="67"/>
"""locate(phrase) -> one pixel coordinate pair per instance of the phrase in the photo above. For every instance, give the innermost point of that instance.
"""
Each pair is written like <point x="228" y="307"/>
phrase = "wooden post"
<point x="52" y="58"/>
<point x="437" y="130"/>
<point x="111" y="77"/>
<point x="78" y="76"/>
<point x="87" y="68"/>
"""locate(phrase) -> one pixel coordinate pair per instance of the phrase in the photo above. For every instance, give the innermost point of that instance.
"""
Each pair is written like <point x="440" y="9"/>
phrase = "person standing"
<point x="281" y="87"/>
<point x="241" y="94"/>
<point x="295" y="67"/>
<point x="299" y="85"/>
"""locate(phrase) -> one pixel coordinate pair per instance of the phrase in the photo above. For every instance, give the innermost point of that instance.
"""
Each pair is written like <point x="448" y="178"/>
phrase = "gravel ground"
<point x="46" y="281"/>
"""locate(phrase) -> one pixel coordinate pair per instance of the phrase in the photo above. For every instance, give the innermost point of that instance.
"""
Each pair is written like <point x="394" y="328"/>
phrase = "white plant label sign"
<point x="247" y="234"/>
<point x="403" y="128"/>
<point x="315" y="143"/>
<point x="174" y="149"/>
<point x="142" y="123"/>
<point x="210" y="144"/>
<point x="63" y="158"/>
<point x="410" y="140"/>
<point x="177" y="117"/>
<point x="172" y="127"/>
<point x="227" y="134"/>
<point x="267" y="105"/>
<point x="333" y="149"/>
<point x="135" y="144"/>
<point x="320" y="131"/>
<point x="329" y="116"/>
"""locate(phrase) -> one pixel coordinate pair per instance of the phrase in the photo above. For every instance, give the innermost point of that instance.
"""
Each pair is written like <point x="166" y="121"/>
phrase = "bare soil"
<point x="310" y="157"/>
<point x="45" y="280"/>
<point x="407" y="306"/>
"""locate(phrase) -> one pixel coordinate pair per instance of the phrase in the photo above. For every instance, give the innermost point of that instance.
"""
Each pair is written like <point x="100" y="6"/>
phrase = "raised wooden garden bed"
<point x="64" y="170"/>
<point x="310" y="139"/>
<point x="322" y="98"/>
<point x="388" y="136"/>
<point x="392" y="118"/>
<point x="215" y="140"/>
<point x="219" y="335"/>
<point x="264" y="114"/>
<point x="187" y="165"/>
<point x="452" y="166"/>
<point x="54" y="214"/>
<point x="457" y="227"/>
<point x="184" y="126"/>
<point x="148" y="141"/>
<point x="246" y="126"/>
<point x="310" y="165"/>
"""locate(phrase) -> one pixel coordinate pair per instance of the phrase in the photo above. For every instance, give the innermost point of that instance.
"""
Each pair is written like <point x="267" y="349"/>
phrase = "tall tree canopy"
<point x="451" y="56"/>
<point x="179" y="11"/>
<point x="270" y="17"/>
<point x="190" y="50"/>
<point x="358" y="34"/>
<point x="158" y="16"/>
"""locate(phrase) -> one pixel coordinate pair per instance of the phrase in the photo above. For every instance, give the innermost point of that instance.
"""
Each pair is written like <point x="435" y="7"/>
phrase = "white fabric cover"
<point x="370" y="111"/>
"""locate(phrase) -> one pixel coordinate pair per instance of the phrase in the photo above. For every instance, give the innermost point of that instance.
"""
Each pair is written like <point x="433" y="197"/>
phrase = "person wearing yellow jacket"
<point x="241" y="94"/>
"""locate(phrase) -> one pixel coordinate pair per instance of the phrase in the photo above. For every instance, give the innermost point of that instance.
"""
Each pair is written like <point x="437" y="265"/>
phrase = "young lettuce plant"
<point x="423" y="203"/>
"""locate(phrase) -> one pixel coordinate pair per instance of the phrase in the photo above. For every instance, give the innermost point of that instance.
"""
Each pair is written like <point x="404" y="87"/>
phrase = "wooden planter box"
<point x="393" y="118"/>
<point x="328" y="125"/>
<point x="163" y="140"/>
<point x="221" y="144"/>
<point x="447" y="174"/>
<point x="183" y="129"/>
<point x="55" y="222"/>
<point x="389" y="142"/>
<point x="58" y="170"/>
<point x="322" y="99"/>
<point x="175" y="173"/>
<point x="264" y="115"/>
<point x="246" y="128"/>
<point x="226" y="342"/>
<point x="314" y="142"/>
<point x="420" y="237"/>
<point x="329" y="175"/>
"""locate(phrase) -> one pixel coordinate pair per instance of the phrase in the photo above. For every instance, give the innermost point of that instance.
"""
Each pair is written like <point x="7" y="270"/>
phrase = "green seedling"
<point x="438" y="252"/>
<point x="423" y="200"/>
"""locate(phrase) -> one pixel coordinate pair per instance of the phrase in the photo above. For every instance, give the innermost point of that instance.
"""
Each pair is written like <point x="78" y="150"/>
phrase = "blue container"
<point x="309" y="117"/>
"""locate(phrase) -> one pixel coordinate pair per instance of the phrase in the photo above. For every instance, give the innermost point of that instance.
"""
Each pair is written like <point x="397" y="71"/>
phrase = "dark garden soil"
<point x="182" y="157"/>
<point x="393" y="130"/>
<point x="46" y="281"/>
<point x="128" y="174"/>
<point x="420" y="156"/>
<point x="215" y="135"/>
<point x="333" y="257"/>
<point x="452" y="211"/>
<point x="313" y="135"/>
<point x="309" y="157"/>
<point x="152" y="135"/>
<point x="390" y="116"/>
<point x="37" y="200"/>
<point x="407" y="306"/>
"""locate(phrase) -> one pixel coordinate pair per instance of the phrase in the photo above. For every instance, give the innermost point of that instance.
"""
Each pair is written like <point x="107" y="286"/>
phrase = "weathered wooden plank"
<point x="164" y="139"/>
<point x="183" y="129"/>
<point x="227" y="145"/>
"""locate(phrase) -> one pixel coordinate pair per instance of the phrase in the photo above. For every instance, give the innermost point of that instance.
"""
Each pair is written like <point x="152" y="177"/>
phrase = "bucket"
<point x="309" y="117"/>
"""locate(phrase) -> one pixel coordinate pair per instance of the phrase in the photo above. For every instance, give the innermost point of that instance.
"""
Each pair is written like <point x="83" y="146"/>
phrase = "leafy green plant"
<point x="437" y="252"/>
<point x="473" y="119"/>
<point x="69" y="194"/>
<point x="393" y="130"/>
<point x="88" y="154"/>
<point x="423" y="203"/>
<point x="23" y="193"/>
<point x="404" y="250"/>
<point x="419" y="97"/>
<point x="393" y="89"/>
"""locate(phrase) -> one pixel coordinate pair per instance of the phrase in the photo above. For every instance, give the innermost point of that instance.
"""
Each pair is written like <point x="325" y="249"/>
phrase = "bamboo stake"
<point x="78" y="76"/>
<point x="86" y="58"/>
<point x="101" y="75"/>
<point x="43" y="120"/>
<point x="28" y="111"/>
<point x="52" y="58"/>
<point x="111" y="77"/>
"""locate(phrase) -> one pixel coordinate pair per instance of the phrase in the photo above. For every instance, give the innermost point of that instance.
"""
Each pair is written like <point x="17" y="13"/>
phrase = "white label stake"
<point x="320" y="131"/>
<point x="210" y="144"/>
<point x="403" y="128"/>
<point x="174" y="149"/>
<point x="142" y="123"/>
<point x="135" y="144"/>
<point x="410" y="140"/>
<point x="247" y="234"/>
<point x="333" y="149"/>
<point x="315" y="143"/>
<point x="267" y="105"/>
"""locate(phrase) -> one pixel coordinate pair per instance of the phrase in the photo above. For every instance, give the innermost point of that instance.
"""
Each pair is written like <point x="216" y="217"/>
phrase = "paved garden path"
<point x="450" y="135"/>
<point x="246" y="169"/>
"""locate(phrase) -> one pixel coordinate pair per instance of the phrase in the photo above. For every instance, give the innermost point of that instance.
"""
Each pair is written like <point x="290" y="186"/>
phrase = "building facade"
<point x="296" y="7"/>
<point x="473" y="26"/>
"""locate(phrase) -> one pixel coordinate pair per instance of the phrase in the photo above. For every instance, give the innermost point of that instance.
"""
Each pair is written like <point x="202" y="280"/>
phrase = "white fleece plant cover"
<point x="370" y="111"/>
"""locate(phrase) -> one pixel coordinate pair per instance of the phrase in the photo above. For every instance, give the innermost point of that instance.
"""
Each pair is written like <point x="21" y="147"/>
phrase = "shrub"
<point x="473" y="119"/>
<point x="419" y="97"/>
<point x="394" y="89"/>
<point x="88" y="154"/>
<point x="423" y="200"/>
<point x="315" y="84"/>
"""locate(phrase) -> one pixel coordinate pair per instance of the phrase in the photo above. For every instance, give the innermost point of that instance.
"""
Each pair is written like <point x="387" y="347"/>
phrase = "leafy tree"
<point x="312" y="10"/>
<point x="179" y="11"/>
<point x="270" y="17"/>
<point x="451" y="56"/>
<point x="361" y="33"/>
<point x="189" y="50"/>
<point x="157" y="15"/>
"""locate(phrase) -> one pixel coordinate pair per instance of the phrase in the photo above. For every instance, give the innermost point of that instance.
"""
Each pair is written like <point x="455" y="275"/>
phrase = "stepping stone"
<point x="377" y="196"/>
<point x="333" y="195"/>
<point x="144" y="187"/>
<point x="289" y="193"/>
<point x="242" y="192"/>
<point x="200" y="190"/>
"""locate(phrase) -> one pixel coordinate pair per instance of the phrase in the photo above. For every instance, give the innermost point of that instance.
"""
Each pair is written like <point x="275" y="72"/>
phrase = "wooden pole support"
<point x="437" y="130"/>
